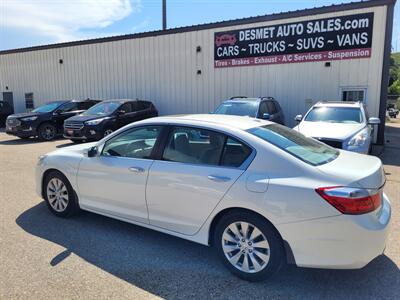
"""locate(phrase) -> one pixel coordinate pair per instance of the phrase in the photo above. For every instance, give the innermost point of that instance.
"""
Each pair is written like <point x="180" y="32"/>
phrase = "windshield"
<point x="293" y="142"/>
<point x="47" y="107"/>
<point x="102" y="108"/>
<point x="335" y="115"/>
<point x="237" y="109"/>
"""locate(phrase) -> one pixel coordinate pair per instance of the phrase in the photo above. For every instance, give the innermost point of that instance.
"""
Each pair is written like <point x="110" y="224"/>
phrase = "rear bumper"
<point x="340" y="242"/>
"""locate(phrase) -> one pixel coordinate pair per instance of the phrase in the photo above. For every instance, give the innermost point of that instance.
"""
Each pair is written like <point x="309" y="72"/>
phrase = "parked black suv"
<point x="5" y="111"/>
<point x="266" y="108"/>
<point x="106" y="117"/>
<point x="47" y="120"/>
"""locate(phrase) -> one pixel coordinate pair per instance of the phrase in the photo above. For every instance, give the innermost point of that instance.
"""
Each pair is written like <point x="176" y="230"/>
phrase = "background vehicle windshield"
<point x="104" y="108"/>
<point x="335" y="115"/>
<point x="47" y="107"/>
<point x="237" y="109"/>
<point x="293" y="142"/>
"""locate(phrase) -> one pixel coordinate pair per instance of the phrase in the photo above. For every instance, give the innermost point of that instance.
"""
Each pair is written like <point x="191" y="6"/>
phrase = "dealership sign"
<point x="335" y="38"/>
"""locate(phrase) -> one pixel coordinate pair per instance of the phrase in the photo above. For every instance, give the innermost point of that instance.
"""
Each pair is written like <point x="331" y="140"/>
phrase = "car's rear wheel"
<point x="47" y="132"/>
<point x="249" y="245"/>
<point x="59" y="195"/>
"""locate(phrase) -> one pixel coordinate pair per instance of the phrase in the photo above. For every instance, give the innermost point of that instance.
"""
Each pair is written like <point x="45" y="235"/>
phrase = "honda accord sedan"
<point x="260" y="193"/>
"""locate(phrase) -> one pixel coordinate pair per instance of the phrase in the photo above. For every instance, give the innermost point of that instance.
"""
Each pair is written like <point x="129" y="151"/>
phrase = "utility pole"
<point x="164" y="14"/>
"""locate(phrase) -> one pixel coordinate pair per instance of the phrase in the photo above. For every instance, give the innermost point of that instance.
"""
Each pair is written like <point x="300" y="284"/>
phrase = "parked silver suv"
<point x="344" y="125"/>
<point x="266" y="108"/>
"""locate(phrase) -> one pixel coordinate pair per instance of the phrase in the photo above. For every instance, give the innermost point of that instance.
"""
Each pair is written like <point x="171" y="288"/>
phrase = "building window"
<point x="353" y="95"/>
<point x="29" y="101"/>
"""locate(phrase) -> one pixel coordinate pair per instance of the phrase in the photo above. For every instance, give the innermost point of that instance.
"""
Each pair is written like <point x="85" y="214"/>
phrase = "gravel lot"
<point x="91" y="256"/>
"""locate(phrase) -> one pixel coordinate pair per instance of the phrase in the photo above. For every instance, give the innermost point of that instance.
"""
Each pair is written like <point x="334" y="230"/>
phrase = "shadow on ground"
<point x="174" y="268"/>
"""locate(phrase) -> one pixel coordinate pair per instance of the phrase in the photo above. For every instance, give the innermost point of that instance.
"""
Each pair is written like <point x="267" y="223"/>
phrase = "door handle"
<point x="218" y="178"/>
<point x="136" y="169"/>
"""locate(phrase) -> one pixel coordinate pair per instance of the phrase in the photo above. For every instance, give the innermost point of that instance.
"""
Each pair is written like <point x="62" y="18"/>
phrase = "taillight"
<point x="351" y="201"/>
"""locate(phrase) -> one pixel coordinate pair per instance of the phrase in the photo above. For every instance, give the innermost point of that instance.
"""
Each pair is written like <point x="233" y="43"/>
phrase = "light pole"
<point x="164" y="14"/>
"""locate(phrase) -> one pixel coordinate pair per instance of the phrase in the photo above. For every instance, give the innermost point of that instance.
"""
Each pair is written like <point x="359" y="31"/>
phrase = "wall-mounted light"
<point x="327" y="64"/>
<point x="6" y="87"/>
<point x="60" y="61"/>
<point x="198" y="49"/>
<point x="198" y="72"/>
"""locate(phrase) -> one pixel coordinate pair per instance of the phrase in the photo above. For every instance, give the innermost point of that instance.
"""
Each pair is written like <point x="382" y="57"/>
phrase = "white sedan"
<point x="260" y="193"/>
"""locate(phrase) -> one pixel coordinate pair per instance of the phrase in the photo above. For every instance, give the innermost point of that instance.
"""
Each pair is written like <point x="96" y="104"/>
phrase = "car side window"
<point x="142" y="105"/>
<point x="194" y="145"/>
<point x="235" y="153"/>
<point x="133" y="143"/>
<point x="126" y="107"/>
<point x="68" y="107"/>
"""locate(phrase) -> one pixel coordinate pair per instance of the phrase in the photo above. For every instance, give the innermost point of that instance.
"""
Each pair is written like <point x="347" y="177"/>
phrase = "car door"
<point x="195" y="170"/>
<point x="64" y="112"/>
<point x="127" y="115"/>
<point x="113" y="182"/>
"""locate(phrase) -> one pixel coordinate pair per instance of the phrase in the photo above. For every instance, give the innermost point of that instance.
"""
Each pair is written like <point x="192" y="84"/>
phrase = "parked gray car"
<point x="266" y="108"/>
<point x="343" y="125"/>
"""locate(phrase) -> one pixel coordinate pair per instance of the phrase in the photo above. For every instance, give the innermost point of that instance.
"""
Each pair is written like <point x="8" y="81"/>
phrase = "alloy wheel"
<point x="57" y="194"/>
<point x="48" y="132"/>
<point x="245" y="247"/>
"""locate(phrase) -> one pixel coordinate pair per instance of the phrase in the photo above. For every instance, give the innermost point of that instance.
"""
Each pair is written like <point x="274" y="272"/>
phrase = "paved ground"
<point x="94" y="257"/>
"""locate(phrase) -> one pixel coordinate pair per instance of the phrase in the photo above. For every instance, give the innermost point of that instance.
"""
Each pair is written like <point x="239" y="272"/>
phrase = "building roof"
<point x="248" y="20"/>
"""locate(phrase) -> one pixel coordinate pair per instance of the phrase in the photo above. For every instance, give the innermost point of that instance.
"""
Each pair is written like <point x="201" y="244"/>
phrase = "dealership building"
<point x="338" y="52"/>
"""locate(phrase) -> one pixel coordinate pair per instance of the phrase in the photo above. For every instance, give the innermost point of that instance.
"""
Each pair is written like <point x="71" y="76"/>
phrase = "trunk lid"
<point x="355" y="170"/>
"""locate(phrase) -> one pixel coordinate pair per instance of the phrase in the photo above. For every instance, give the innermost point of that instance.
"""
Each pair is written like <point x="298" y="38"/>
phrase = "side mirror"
<point x="374" y="121"/>
<point x="298" y="118"/>
<point x="121" y="112"/>
<point x="92" y="152"/>
<point x="266" y="116"/>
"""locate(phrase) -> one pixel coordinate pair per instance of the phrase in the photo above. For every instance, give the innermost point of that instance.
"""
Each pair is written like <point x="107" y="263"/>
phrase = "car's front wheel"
<point x="59" y="195"/>
<point x="47" y="132"/>
<point x="249" y="245"/>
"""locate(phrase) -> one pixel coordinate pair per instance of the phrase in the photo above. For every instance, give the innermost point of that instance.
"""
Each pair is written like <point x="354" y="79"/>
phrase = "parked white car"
<point x="343" y="125"/>
<point x="260" y="193"/>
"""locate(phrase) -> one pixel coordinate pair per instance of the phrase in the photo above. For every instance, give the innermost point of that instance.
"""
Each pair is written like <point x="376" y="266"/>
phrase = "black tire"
<point x="276" y="248"/>
<point x="72" y="206"/>
<point x="47" y="132"/>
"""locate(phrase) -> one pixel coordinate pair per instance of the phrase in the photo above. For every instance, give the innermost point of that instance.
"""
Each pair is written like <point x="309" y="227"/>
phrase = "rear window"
<point x="335" y="115"/>
<point x="296" y="144"/>
<point x="237" y="109"/>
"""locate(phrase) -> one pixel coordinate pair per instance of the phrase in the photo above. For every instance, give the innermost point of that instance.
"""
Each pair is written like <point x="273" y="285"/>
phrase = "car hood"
<point x="337" y="131"/>
<point x="79" y="149"/>
<point x="355" y="170"/>
<point x="83" y="118"/>
<point x="24" y="115"/>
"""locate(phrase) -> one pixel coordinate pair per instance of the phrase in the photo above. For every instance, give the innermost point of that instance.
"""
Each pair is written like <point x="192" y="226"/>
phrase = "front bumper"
<point x="85" y="133"/>
<point x="340" y="242"/>
<point x="23" y="130"/>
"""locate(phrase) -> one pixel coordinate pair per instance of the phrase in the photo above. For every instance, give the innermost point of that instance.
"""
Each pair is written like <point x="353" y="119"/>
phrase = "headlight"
<point x="359" y="139"/>
<point x="94" y="122"/>
<point x="41" y="159"/>
<point x="29" y="118"/>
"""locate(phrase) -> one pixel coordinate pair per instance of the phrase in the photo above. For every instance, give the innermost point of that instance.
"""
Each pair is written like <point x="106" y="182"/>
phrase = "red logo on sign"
<point x="225" y="39"/>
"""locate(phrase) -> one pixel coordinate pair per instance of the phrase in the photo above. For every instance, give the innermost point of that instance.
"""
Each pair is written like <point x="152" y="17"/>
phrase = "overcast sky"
<point x="26" y="23"/>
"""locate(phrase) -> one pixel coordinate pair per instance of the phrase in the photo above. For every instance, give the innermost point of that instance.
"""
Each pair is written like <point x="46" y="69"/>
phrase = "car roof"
<point x="210" y="120"/>
<point x="338" y="104"/>
<point x="121" y="100"/>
